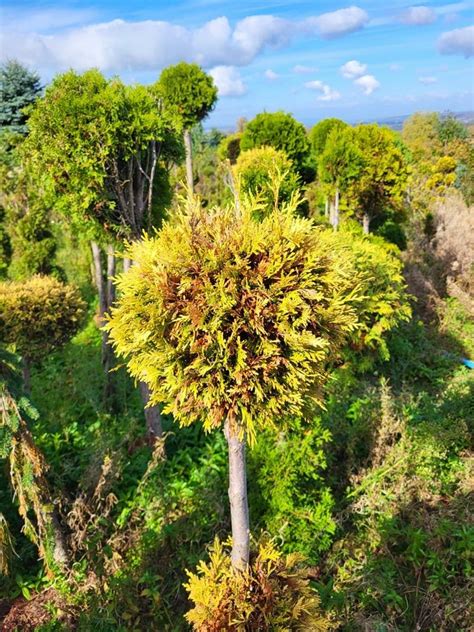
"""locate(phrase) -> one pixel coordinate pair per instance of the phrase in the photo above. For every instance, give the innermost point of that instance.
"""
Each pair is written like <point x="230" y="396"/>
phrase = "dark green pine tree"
<point x="19" y="87"/>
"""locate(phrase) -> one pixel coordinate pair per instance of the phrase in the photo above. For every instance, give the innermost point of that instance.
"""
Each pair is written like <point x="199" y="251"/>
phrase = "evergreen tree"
<point x="190" y="94"/>
<point x="19" y="88"/>
<point x="281" y="131"/>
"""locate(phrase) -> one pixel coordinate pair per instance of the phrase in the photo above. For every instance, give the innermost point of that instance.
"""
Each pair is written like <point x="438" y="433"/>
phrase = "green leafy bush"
<point x="289" y="497"/>
<point x="273" y="594"/>
<point x="384" y="304"/>
<point x="281" y="131"/>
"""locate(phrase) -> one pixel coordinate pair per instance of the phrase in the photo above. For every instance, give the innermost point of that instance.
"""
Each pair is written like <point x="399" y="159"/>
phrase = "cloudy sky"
<point x="314" y="59"/>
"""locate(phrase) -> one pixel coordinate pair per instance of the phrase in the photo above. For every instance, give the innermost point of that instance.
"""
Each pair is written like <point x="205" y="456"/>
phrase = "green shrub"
<point x="289" y="497"/>
<point x="384" y="304"/>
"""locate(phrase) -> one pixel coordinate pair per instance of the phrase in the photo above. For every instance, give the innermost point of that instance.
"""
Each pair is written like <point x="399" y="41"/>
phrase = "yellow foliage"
<point x="273" y="594"/>
<point x="6" y="546"/>
<point x="383" y="302"/>
<point x="227" y="318"/>
<point x="39" y="314"/>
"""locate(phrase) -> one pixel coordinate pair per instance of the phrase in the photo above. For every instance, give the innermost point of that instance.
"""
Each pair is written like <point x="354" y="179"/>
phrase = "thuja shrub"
<point x="272" y="594"/>
<point x="39" y="315"/>
<point x="383" y="303"/>
<point x="232" y="320"/>
<point x="267" y="173"/>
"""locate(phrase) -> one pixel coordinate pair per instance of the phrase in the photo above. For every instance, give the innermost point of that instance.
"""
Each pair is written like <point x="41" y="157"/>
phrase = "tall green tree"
<point x="19" y="88"/>
<point x="281" y="131"/>
<point x="319" y="134"/>
<point x="420" y="134"/>
<point x="340" y="163"/>
<point x="189" y="93"/>
<point x="382" y="182"/>
<point x="102" y="151"/>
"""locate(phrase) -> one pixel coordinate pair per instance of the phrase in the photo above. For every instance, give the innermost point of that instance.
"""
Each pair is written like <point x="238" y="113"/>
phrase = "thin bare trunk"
<point x="366" y="223"/>
<point x="127" y="264"/>
<point x="188" y="147"/>
<point x="110" y="276"/>
<point x="60" y="551"/>
<point x="152" y="415"/>
<point x="336" y="210"/>
<point x="326" y="208"/>
<point x="26" y="368"/>
<point x="99" y="278"/>
<point x="239" y="511"/>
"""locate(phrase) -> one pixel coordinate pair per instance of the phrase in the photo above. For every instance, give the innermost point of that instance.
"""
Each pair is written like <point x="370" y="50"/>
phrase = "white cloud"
<point x="120" y="45"/>
<point x="457" y="42"/>
<point x="427" y="80"/>
<point x="418" y="16"/>
<point x="303" y="70"/>
<point x="228" y="81"/>
<point x="353" y="69"/>
<point x="326" y="92"/>
<point x="368" y="83"/>
<point x="271" y="74"/>
<point x="340" y="22"/>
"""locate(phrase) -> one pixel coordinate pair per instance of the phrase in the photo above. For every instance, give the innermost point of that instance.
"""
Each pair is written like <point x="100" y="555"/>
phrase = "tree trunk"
<point x="152" y="415"/>
<point x="326" y="208"/>
<point x="188" y="147"/>
<point x="99" y="279"/>
<point x="26" y="370"/>
<point x="366" y="223"/>
<point x="239" y="510"/>
<point x="127" y="264"/>
<point x="60" y="551"/>
<point x="110" y="276"/>
<point x="336" y="210"/>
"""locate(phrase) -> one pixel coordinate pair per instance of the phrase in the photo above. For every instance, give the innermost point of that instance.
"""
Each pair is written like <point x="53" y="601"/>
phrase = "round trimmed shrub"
<point x="232" y="320"/>
<point x="39" y="315"/>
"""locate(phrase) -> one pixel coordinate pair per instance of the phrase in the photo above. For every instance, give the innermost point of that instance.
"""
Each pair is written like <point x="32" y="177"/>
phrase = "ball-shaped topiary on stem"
<point x="38" y="315"/>
<point x="233" y="322"/>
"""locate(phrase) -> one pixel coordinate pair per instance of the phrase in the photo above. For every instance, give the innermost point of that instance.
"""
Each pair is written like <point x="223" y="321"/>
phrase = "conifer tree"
<point x="190" y="93"/>
<point x="19" y="88"/>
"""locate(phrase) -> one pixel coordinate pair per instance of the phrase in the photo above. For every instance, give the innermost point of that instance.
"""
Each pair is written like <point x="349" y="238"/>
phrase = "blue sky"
<point x="368" y="60"/>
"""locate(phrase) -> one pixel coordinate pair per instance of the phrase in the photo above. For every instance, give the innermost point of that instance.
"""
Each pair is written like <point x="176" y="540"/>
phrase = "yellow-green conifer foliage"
<point x="384" y="302"/>
<point x="230" y="319"/>
<point x="39" y="315"/>
<point x="272" y="594"/>
<point x="267" y="173"/>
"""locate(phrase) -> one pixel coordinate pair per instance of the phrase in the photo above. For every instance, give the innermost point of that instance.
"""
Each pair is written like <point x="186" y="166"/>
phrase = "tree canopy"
<point x="382" y="181"/>
<point x="267" y="173"/>
<point x="281" y="131"/>
<point x="101" y="147"/>
<point x="242" y="317"/>
<point x="318" y="135"/>
<point x="188" y="91"/>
